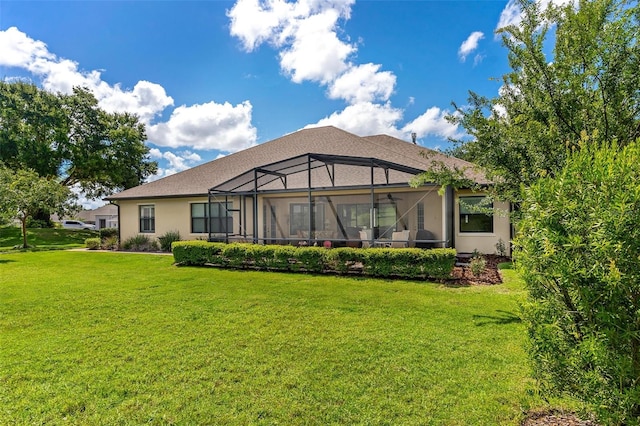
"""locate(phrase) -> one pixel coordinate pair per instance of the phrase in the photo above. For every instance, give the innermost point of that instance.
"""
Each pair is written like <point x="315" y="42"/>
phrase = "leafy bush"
<point x="167" y="239"/>
<point x="578" y="249"/>
<point x="110" y="243"/>
<point x="39" y="223"/>
<point x="477" y="264"/>
<point x="108" y="233"/>
<point x="140" y="242"/>
<point x="92" y="243"/>
<point x="407" y="263"/>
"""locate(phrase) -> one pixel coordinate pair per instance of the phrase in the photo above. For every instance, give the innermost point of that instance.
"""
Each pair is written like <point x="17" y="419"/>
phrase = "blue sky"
<point x="212" y="77"/>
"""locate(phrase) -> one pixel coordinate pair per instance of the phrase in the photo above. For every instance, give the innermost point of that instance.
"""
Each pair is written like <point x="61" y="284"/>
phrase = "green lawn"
<point x="114" y="338"/>
<point x="44" y="239"/>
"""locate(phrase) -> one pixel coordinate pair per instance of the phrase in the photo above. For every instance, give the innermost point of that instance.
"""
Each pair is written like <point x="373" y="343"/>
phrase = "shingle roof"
<point x="320" y="140"/>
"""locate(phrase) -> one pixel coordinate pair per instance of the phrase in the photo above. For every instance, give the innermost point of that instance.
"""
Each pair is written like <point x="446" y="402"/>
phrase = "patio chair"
<point x="400" y="239"/>
<point x="366" y="239"/>
<point x="424" y="234"/>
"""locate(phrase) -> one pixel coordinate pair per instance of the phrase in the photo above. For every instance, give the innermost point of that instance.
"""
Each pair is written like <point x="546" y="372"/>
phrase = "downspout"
<point x="309" y="200"/>
<point x="449" y="216"/>
<point x="372" y="218"/>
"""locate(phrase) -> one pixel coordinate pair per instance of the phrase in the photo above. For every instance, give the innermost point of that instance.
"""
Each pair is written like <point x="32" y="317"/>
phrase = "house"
<point x="317" y="186"/>
<point x="106" y="216"/>
<point x="103" y="217"/>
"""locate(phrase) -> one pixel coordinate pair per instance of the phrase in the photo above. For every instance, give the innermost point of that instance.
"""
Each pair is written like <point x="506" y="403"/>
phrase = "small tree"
<point x="23" y="193"/>
<point x="578" y="250"/>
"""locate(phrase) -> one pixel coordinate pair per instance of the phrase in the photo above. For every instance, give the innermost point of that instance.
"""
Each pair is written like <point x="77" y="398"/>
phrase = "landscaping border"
<point x="410" y="263"/>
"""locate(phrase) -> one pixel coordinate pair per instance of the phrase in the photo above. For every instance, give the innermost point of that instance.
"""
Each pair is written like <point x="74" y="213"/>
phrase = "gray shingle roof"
<point x="320" y="140"/>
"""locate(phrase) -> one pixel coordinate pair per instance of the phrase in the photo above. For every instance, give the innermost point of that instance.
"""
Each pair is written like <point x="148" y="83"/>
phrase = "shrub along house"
<point x="316" y="186"/>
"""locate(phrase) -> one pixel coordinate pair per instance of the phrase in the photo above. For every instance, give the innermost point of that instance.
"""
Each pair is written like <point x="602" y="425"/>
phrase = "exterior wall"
<point x="466" y="242"/>
<point x="111" y="221"/>
<point x="171" y="214"/>
<point x="174" y="214"/>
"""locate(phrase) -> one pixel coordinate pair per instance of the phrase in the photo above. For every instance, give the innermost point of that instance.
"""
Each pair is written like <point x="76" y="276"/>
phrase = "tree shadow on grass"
<point x="6" y="261"/>
<point x="501" y="318"/>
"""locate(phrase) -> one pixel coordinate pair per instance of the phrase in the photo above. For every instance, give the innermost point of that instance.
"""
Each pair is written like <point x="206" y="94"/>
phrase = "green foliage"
<point x="140" y="242"/>
<point x="110" y="243"/>
<point x="477" y="264"/>
<point x="501" y="248"/>
<point x="68" y="136"/>
<point x="44" y="238"/>
<point x="23" y="194"/>
<point x="587" y="86"/>
<point x="38" y="223"/>
<point x="406" y="263"/>
<point x="578" y="250"/>
<point x="108" y="232"/>
<point x="93" y="243"/>
<point x="167" y="239"/>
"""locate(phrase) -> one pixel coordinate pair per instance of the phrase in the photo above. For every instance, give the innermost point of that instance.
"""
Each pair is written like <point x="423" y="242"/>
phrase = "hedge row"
<point x="377" y="262"/>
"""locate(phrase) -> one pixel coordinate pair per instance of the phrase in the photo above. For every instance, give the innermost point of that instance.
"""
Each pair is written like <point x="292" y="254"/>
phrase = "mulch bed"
<point x="554" y="418"/>
<point x="462" y="275"/>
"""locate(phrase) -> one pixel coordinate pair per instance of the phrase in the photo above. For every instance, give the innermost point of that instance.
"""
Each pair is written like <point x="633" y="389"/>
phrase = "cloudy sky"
<point x="213" y="77"/>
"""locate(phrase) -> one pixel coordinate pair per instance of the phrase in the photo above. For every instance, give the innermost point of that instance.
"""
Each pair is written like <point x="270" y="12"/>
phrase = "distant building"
<point x="103" y="217"/>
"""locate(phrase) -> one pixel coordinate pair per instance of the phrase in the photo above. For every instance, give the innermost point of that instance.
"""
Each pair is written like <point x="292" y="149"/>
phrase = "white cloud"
<point x="306" y="34"/>
<point x="365" y="119"/>
<point x="191" y="156"/>
<point x="176" y="162"/>
<point x="363" y="83"/>
<point x="512" y="13"/>
<point x="434" y="123"/>
<point x="16" y="49"/>
<point x="205" y="126"/>
<point x="469" y="45"/>
<point x="61" y="75"/>
<point x="316" y="53"/>
<point x="478" y="59"/>
<point x="209" y="126"/>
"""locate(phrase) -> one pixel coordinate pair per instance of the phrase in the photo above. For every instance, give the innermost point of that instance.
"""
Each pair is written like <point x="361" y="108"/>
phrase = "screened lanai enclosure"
<point x="330" y="200"/>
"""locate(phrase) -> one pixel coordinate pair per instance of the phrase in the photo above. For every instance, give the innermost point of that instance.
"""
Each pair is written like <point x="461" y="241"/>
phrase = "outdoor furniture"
<point x="421" y="236"/>
<point x="366" y="238"/>
<point x="400" y="239"/>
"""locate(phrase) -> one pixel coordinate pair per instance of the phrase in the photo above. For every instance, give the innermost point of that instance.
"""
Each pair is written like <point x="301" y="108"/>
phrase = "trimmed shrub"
<point x="167" y="239"/>
<point x="92" y="243"/>
<point x="403" y="263"/>
<point x="140" y="242"/>
<point x="108" y="233"/>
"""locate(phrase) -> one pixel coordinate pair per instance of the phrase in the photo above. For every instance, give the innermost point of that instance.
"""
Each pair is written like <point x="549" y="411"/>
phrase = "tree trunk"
<point x="23" y="220"/>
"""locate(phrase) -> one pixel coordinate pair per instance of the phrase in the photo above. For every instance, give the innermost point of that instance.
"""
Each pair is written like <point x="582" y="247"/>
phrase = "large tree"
<point x="23" y="194"/>
<point x="586" y="87"/>
<point x="68" y="136"/>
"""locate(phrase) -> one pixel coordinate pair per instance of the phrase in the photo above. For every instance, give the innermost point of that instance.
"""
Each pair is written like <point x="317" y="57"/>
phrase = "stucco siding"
<point x="466" y="242"/>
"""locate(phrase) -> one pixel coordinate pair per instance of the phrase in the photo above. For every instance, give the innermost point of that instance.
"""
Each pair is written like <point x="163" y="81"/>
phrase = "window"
<point x="359" y="216"/>
<point x="420" y="226"/>
<point x="299" y="218"/>
<point x="147" y="218"/>
<point x="220" y="221"/>
<point x="474" y="216"/>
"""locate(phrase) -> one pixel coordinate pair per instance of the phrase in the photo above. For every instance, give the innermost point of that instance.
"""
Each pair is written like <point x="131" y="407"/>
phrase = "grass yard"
<point x="114" y="338"/>
<point x="44" y="239"/>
